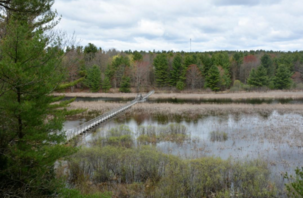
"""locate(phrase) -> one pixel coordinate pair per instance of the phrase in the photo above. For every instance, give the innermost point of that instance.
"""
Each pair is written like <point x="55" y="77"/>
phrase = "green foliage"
<point x="258" y="78"/>
<point x="190" y="60"/>
<point x="295" y="188"/>
<point x="137" y="56"/>
<point x="238" y="58"/>
<point x="90" y="48"/>
<point x="30" y="122"/>
<point x="106" y="84"/>
<point x="267" y="64"/>
<point x="225" y="80"/>
<point x="207" y="63"/>
<point x="178" y="70"/>
<point x="221" y="59"/>
<point x="213" y="78"/>
<point x="161" y="65"/>
<point x="120" y="60"/>
<point x="125" y="84"/>
<point x="282" y="78"/>
<point x="180" y="85"/>
<point x="93" y="80"/>
<point x="74" y="193"/>
<point x="238" y="86"/>
<point x="67" y="85"/>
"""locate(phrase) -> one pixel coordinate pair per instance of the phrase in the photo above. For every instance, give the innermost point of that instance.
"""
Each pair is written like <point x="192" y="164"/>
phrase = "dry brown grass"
<point x="233" y="96"/>
<point x="191" y="109"/>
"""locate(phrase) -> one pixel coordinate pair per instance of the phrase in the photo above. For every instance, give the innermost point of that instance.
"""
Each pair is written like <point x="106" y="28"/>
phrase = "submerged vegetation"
<point x="218" y="136"/>
<point x="173" y="133"/>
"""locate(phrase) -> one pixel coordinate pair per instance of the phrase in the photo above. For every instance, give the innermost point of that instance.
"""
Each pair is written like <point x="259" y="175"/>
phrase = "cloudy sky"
<point x="170" y="24"/>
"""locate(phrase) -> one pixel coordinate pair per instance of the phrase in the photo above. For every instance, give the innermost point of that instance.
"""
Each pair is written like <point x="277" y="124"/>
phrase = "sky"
<point x="210" y="25"/>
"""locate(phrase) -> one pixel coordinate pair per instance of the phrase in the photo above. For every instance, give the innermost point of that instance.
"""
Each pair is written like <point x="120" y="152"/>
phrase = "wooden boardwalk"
<point x="83" y="128"/>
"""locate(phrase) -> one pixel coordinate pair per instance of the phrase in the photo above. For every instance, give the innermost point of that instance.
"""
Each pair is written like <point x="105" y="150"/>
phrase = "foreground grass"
<point x="145" y="172"/>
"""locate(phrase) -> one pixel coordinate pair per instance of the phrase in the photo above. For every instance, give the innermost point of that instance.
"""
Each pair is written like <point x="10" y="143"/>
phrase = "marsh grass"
<point x="177" y="133"/>
<point x="218" y="136"/>
<point x="119" y="136"/>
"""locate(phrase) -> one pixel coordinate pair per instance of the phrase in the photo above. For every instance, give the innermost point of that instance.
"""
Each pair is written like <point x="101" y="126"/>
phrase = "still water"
<point x="195" y="101"/>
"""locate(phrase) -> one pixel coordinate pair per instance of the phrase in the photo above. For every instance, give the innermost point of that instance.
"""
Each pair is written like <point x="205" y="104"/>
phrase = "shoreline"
<point x="232" y="96"/>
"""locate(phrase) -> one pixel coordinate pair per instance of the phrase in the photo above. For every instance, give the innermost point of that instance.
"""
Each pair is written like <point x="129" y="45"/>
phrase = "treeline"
<point x="218" y="71"/>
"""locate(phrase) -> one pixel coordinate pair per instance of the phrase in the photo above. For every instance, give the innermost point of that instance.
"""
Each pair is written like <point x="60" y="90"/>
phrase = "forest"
<point x="176" y="71"/>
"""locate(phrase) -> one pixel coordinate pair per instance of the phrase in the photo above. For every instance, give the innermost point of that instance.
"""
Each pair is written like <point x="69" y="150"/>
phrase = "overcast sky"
<point x="170" y="24"/>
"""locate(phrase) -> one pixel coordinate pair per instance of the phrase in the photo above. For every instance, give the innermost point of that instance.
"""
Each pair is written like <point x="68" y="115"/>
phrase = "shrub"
<point x="180" y="85"/>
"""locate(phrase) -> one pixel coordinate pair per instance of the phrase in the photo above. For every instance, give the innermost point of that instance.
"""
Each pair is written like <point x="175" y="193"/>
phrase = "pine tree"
<point x="213" y="78"/>
<point x="258" y="77"/>
<point x="178" y="72"/>
<point x="106" y="84"/>
<point x="161" y="65"/>
<point x="282" y="78"/>
<point x="93" y="80"/>
<point x="125" y="84"/>
<point x="267" y="64"/>
<point x="252" y="79"/>
<point x="30" y="120"/>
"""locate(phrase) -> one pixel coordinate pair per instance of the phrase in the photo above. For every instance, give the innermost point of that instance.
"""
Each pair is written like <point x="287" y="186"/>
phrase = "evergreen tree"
<point x="178" y="71"/>
<point x="213" y="78"/>
<point x="106" y="84"/>
<point x="137" y="56"/>
<point x="207" y="63"/>
<point x="282" y="78"/>
<point x="90" y="50"/>
<point x="125" y="84"/>
<point x="161" y="65"/>
<point x="267" y="64"/>
<point x="258" y="77"/>
<point x="262" y="76"/>
<point x="93" y="80"/>
<point x="30" y="142"/>
<point x="253" y="79"/>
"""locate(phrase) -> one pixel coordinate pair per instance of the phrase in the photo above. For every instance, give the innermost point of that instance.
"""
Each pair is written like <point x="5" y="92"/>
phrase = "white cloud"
<point x="167" y="24"/>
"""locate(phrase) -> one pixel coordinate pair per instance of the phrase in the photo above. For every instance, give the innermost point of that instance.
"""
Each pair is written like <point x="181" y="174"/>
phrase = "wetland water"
<point x="276" y="138"/>
<point x="195" y="101"/>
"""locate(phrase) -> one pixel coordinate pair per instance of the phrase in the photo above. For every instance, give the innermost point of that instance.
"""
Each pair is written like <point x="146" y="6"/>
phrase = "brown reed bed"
<point x="234" y="96"/>
<point x="191" y="110"/>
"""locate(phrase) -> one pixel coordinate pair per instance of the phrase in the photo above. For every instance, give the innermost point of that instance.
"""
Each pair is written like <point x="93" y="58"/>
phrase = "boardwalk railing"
<point x="71" y="133"/>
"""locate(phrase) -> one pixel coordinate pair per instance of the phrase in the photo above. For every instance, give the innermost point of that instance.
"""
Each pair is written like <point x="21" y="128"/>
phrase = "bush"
<point x="180" y="85"/>
<point x="155" y="174"/>
<point x="295" y="188"/>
